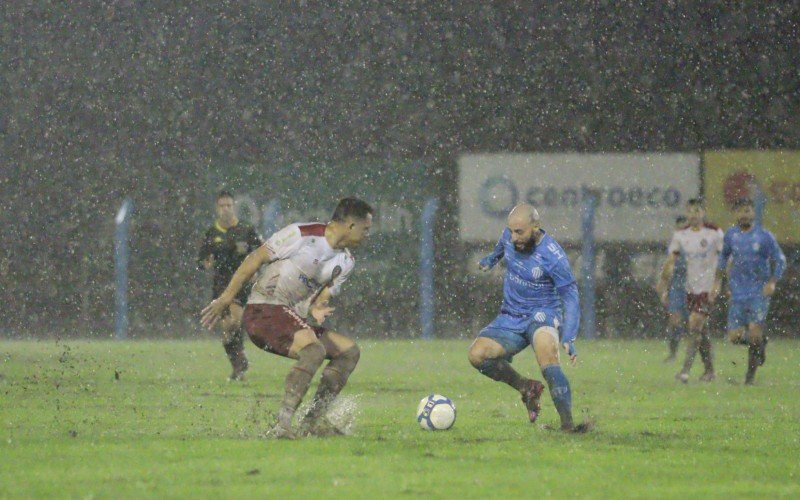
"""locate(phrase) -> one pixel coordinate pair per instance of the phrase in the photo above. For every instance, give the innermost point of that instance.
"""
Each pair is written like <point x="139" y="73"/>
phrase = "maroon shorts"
<point x="272" y="327"/>
<point x="698" y="303"/>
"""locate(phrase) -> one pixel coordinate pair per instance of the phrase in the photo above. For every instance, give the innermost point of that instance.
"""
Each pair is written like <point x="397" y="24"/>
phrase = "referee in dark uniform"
<point x="224" y="247"/>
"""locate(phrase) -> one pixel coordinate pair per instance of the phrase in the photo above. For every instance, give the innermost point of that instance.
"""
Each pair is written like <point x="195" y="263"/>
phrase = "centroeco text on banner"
<point x="639" y="194"/>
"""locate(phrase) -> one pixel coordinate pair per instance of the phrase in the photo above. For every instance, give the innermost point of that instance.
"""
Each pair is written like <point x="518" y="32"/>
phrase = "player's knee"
<point x="351" y="355"/>
<point x="312" y="354"/>
<point x="735" y="336"/>
<point x="547" y="359"/>
<point x="755" y="334"/>
<point x="477" y="356"/>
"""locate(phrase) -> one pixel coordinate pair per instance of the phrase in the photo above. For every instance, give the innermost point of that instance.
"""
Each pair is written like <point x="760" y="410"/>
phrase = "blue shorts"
<point x="677" y="303"/>
<point x="516" y="333"/>
<point x="743" y="312"/>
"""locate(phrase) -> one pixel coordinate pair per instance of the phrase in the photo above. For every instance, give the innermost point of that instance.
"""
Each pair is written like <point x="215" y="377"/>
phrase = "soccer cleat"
<point x="669" y="359"/>
<point x="707" y="376"/>
<point x="581" y="428"/>
<point x="750" y="376"/>
<point x="682" y="377"/>
<point x="280" y="431"/>
<point x="530" y="396"/>
<point x="320" y="427"/>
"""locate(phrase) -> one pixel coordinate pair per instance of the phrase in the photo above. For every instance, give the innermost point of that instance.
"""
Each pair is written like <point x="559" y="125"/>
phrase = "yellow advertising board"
<point x="776" y="174"/>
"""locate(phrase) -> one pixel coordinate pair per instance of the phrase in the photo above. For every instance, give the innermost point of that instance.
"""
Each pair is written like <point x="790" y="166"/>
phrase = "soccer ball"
<point x="436" y="413"/>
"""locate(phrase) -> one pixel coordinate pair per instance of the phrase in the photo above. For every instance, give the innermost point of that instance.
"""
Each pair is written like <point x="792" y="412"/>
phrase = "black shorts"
<point x="221" y="284"/>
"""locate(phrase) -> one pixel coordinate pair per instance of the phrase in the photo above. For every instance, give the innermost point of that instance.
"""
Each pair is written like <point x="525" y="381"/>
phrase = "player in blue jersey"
<point x="540" y="308"/>
<point x="674" y="299"/>
<point x="755" y="263"/>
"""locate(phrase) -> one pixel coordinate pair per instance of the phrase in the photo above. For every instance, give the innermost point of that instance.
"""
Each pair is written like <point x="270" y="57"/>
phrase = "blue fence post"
<point x="269" y="218"/>
<point x="588" y="267"/>
<point x="760" y="203"/>
<point x="121" y="257"/>
<point x="427" y="304"/>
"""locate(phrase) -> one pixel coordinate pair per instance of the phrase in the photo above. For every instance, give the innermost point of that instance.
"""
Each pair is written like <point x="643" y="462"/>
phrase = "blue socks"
<point x="560" y="392"/>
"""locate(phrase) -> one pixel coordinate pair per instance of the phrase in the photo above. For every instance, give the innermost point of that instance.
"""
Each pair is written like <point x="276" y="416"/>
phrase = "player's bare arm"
<point x="320" y="309"/>
<point x="769" y="287"/>
<point x="667" y="270"/>
<point x="214" y="311"/>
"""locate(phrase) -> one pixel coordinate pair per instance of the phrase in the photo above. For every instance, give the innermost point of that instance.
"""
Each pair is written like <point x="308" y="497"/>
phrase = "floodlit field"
<point x="158" y="419"/>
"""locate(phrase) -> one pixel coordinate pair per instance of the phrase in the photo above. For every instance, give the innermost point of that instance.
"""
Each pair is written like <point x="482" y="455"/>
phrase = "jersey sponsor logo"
<point x="756" y="247"/>
<point x="537" y="272"/>
<point x="540" y="317"/>
<point x="529" y="284"/>
<point x="310" y="283"/>
<point x="218" y="239"/>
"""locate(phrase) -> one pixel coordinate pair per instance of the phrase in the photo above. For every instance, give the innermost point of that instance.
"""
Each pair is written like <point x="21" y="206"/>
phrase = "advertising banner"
<point x="639" y="194"/>
<point x="773" y="176"/>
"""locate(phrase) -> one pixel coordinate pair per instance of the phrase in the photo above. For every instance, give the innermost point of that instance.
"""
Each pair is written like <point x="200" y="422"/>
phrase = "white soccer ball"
<point x="436" y="413"/>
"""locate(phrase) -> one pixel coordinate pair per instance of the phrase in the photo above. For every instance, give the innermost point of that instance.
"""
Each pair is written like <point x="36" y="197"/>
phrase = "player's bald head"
<point x="523" y="214"/>
<point x="523" y="223"/>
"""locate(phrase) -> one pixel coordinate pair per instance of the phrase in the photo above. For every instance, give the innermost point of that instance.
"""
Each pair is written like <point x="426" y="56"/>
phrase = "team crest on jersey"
<point x="241" y="247"/>
<point x="540" y="317"/>
<point x="218" y="239"/>
<point x="756" y="246"/>
<point x="537" y="272"/>
<point x="704" y="243"/>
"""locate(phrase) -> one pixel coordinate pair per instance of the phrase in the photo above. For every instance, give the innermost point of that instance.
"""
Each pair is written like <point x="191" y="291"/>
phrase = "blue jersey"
<point x="538" y="280"/>
<point x="755" y="257"/>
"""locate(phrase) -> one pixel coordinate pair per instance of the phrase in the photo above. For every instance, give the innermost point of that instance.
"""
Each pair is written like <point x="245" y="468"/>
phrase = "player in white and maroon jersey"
<point x="699" y="244"/>
<point x="299" y="269"/>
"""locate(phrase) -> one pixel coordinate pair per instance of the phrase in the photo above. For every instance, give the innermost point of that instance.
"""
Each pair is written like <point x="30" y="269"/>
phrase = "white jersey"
<point x="304" y="263"/>
<point x="700" y="248"/>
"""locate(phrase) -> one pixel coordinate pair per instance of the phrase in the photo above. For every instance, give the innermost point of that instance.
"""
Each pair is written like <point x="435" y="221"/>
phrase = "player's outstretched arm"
<point x="778" y="265"/>
<point x="572" y="318"/>
<point x="665" y="278"/>
<point x="214" y="311"/>
<point x="493" y="258"/>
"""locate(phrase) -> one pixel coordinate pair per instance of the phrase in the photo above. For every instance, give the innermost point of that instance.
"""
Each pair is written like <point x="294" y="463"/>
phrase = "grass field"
<point x="158" y="419"/>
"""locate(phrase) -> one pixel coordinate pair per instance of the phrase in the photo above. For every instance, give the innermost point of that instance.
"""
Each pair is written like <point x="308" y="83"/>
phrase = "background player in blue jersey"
<point x="540" y="300"/>
<point x="674" y="299"/>
<point x="755" y="263"/>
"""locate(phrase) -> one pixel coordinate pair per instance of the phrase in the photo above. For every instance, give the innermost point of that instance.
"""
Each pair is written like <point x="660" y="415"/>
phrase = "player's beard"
<point x="527" y="246"/>
<point x="745" y="225"/>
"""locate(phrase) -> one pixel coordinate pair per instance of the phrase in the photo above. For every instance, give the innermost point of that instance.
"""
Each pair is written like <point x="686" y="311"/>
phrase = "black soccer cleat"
<point x="530" y="396"/>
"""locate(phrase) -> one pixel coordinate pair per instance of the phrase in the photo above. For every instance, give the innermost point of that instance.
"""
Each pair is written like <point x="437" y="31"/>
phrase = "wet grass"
<point x="137" y="419"/>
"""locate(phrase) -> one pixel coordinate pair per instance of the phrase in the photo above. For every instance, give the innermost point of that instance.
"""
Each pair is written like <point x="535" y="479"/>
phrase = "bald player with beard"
<point x="540" y="308"/>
